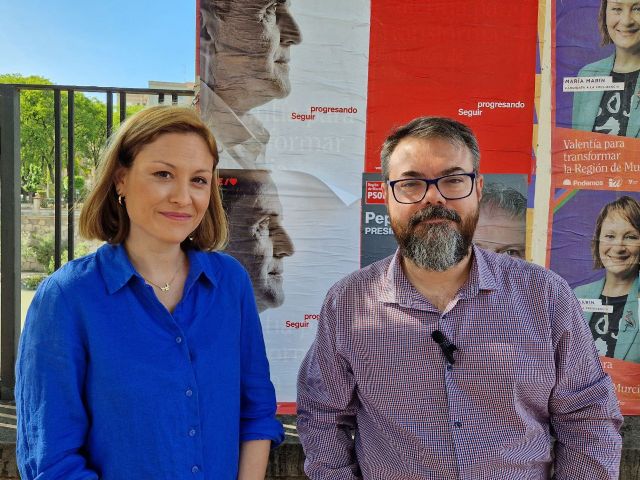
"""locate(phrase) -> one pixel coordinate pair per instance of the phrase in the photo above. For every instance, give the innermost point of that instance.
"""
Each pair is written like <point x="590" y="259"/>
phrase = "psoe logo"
<point x="374" y="193"/>
<point x="615" y="182"/>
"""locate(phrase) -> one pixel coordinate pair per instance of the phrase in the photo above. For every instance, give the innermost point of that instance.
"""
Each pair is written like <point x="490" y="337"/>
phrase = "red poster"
<point x="472" y="61"/>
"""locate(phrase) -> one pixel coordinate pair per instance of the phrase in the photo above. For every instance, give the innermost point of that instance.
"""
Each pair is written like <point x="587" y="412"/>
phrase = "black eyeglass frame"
<point x="433" y="181"/>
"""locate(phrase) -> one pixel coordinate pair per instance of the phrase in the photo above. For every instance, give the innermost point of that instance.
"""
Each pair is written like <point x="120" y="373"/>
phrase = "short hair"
<point x="102" y="218"/>
<point x="505" y="198"/>
<point x="605" y="38"/>
<point x="426" y="128"/>
<point x="626" y="207"/>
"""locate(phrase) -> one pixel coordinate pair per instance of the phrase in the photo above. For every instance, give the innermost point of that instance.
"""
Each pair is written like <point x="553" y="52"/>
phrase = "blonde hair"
<point x="102" y="218"/>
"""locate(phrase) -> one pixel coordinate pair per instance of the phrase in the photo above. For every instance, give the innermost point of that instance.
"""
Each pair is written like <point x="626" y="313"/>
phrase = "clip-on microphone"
<point x="445" y="345"/>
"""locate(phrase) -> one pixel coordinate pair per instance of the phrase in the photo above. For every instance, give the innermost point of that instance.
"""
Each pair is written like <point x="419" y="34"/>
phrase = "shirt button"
<point x="457" y="424"/>
<point x="192" y="432"/>
<point x="189" y="392"/>
<point x="178" y="339"/>
<point x="195" y="469"/>
<point x="449" y="367"/>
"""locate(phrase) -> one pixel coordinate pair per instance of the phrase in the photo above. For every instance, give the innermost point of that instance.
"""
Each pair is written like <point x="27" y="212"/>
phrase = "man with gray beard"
<point x="441" y="246"/>
<point x="446" y="361"/>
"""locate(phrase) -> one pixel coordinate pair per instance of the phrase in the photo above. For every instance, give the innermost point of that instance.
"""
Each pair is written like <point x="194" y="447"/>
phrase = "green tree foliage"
<point x="37" y="132"/>
<point x="90" y="132"/>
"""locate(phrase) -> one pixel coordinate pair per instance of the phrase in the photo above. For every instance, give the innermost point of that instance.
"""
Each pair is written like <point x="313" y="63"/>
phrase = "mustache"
<point x="434" y="212"/>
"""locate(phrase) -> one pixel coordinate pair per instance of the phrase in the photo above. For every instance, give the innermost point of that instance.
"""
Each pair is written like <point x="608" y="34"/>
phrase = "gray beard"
<point x="438" y="249"/>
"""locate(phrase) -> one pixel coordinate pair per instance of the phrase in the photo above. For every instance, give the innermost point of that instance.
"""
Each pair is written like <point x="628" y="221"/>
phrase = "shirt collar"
<point x="115" y="267"/>
<point x="481" y="276"/>
<point x="200" y="268"/>
<point x="117" y="270"/>
<point x="398" y="289"/>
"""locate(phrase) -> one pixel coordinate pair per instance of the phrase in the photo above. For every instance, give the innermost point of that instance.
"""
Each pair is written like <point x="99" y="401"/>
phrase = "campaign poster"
<point x="300" y="95"/>
<point x="594" y="221"/>
<point x="596" y="247"/>
<point x="596" y="106"/>
<point x="377" y="240"/>
<point x="471" y="61"/>
<point x="283" y="87"/>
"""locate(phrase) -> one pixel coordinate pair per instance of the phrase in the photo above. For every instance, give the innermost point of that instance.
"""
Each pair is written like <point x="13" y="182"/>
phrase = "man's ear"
<point x="479" y="186"/>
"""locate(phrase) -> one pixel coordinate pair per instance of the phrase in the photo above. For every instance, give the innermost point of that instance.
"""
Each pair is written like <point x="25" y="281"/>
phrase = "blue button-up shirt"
<point x="110" y="385"/>
<point x="525" y="365"/>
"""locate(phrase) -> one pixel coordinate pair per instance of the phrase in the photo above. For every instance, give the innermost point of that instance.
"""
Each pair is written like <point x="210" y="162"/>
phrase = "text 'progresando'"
<point x="303" y="117"/>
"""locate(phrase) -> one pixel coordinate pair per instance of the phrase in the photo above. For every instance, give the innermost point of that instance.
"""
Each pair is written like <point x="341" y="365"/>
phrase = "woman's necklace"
<point x="167" y="285"/>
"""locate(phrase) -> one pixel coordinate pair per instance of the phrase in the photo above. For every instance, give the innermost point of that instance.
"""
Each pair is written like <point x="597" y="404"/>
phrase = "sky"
<point x="111" y="43"/>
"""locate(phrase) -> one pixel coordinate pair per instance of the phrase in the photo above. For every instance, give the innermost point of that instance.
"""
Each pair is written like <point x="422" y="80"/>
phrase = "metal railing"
<point x="10" y="189"/>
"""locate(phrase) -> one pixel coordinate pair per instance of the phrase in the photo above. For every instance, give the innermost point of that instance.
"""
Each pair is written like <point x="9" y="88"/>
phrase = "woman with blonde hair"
<point x="146" y="359"/>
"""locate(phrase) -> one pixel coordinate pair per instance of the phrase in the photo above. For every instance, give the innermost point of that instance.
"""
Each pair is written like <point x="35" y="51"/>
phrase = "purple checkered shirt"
<point x="525" y="365"/>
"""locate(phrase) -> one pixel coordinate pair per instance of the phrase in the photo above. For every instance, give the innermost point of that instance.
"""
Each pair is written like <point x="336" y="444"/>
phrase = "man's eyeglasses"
<point x="451" y="187"/>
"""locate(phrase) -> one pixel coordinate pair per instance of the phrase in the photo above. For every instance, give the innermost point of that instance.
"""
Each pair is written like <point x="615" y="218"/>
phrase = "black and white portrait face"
<point x="244" y="50"/>
<point x="500" y="232"/>
<point x="257" y="237"/>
